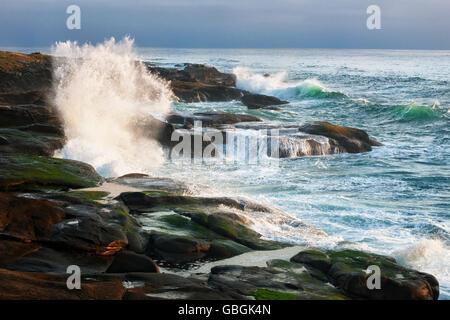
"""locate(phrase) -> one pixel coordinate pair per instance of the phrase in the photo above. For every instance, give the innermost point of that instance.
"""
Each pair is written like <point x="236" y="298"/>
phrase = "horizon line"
<point x="242" y="48"/>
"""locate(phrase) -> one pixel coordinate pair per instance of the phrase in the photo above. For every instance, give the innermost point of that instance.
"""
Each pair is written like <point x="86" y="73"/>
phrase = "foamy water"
<point x="101" y="92"/>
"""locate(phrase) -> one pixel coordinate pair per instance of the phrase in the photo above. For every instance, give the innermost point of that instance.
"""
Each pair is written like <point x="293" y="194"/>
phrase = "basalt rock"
<point x="22" y="172"/>
<point x="30" y="129"/>
<point x="351" y="140"/>
<point x="210" y="119"/>
<point x="196" y="73"/>
<point x="25" y="78"/>
<point x="280" y="280"/>
<point x="127" y="261"/>
<point x="151" y="286"/>
<point x="185" y="229"/>
<point x="197" y="83"/>
<point x="16" y="285"/>
<point x="199" y="92"/>
<point x="43" y="232"/>
<point x="310" y="139"/>
<point x="346" y="269"/>
<point x="260" y="101"/>
<point x="201" y="83"/>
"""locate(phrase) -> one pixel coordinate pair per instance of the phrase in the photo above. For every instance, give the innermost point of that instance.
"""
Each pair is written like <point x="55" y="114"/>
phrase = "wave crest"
<point x="413" y="112"/>
<point x="277" y="85"/>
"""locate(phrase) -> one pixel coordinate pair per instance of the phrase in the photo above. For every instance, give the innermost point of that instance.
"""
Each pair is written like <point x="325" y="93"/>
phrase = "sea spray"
<point x="428" y="255"/>
<point x="101" y="92"/>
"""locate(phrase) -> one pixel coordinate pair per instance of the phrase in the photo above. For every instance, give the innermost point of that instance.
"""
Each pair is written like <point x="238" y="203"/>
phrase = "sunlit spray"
<point x="101" y="92"/>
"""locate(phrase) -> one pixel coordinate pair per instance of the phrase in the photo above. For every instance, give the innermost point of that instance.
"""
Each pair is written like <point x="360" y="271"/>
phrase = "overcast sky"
<point x="406" y="24"/>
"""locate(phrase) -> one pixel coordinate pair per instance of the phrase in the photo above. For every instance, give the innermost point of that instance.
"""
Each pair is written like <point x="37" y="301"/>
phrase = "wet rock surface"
<point x="30" y="129"/>
<point x="19" y="171"/>
<point x="260" y="101"/>
<point x="351" y="140"/>
<point x="346" y="269"/>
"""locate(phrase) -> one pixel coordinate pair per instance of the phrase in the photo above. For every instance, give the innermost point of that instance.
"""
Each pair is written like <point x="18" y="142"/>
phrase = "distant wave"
<point x="276" y="85"/>
<point x="414" y="112"/>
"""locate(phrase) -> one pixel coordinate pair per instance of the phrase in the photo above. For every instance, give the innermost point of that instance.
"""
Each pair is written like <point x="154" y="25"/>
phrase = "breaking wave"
<point x="101" y="92"/>
<point x="276" y="85"/>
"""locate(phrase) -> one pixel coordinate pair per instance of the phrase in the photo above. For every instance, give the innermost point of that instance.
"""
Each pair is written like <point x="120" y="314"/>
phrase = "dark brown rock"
<point x="127" y="261"/>
<point x="210" y="119"/>
<point x="30" y="129"/>
<point x="176" y="250"/>
<point x="260" y="101"/>
<point x="25" y="78"/>
<point x="351" y="140"/>
<point x="28" y="219"/>
<point x="38" y="286"/>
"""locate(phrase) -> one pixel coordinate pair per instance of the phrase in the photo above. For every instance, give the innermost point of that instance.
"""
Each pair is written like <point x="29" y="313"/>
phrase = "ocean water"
<point x="394" y="200"/>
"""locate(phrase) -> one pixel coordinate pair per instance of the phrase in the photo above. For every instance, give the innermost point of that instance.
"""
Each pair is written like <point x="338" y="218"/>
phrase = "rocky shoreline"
<point x="143" y="237"/>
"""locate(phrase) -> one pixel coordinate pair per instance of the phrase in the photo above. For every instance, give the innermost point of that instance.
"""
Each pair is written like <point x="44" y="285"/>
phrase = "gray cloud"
<point x="406" y="24"/>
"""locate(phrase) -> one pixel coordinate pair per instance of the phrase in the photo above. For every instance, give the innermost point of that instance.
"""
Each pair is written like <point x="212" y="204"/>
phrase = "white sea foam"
<point x="101" y="91"/>
<point x="427" y="255"/>
<point x="277" y="85"/>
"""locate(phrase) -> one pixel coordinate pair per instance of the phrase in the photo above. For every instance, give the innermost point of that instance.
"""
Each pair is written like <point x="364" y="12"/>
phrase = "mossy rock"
<point x="266" y="294"/>
<point x="347" y="269"/>
<point x="17" y="172"/>
<point x="234" y="230"/>
<point x="224" y="249"/>
<point x="278" y="281"/>
<point x="90" y="196"/>
<point x="315" y="258"/>
<point x="16" y="141"/>
<point x="314" y="283"/>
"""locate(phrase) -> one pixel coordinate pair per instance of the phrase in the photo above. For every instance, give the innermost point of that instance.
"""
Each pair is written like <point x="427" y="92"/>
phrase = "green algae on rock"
<point x="19" y="172"/>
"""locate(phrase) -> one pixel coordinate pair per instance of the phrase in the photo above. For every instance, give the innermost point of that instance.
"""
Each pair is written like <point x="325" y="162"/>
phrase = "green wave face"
<point x="414" y="112"/>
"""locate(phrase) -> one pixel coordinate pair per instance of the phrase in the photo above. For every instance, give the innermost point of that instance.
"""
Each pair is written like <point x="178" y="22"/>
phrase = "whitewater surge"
<point x="427" y="255"/>
<point x="276" y="85"/>
<point x="101" y="93"/>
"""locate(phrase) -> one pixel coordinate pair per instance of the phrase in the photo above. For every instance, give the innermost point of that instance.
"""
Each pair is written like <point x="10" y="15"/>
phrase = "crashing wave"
<point x="101" y="92"/>
<point x="276" y="85"/>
